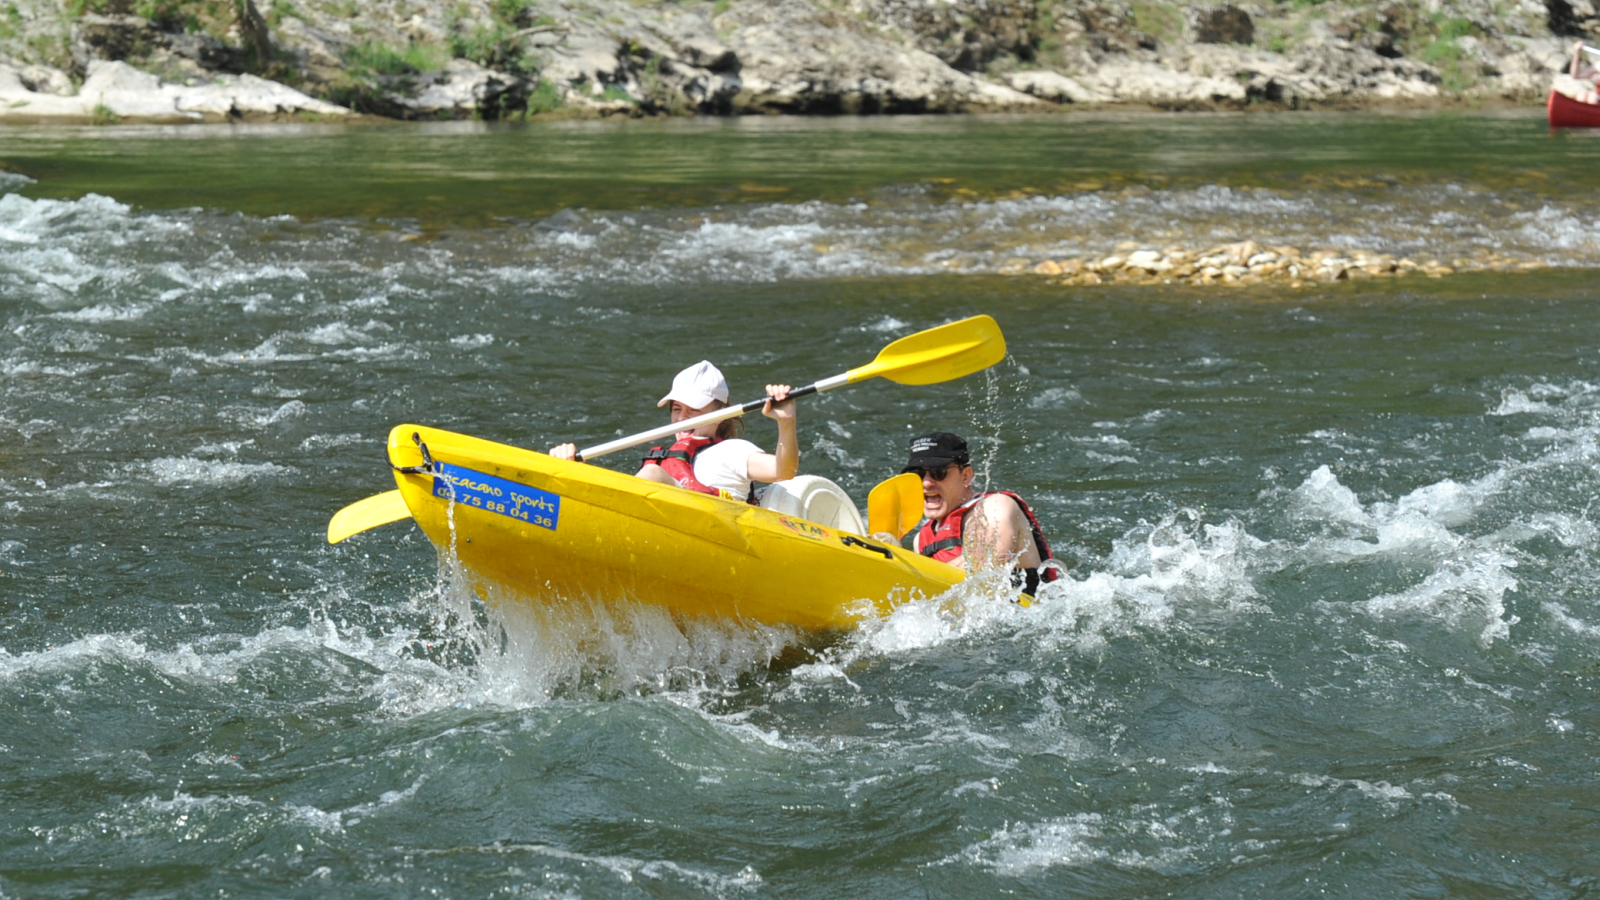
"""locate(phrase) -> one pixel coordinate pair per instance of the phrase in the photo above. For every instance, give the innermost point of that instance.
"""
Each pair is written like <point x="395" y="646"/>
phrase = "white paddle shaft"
<point x="727" y="412"/>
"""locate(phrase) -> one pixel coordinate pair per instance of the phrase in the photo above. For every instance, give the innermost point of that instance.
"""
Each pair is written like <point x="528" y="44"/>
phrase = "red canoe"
<point x="1566" y="112"/>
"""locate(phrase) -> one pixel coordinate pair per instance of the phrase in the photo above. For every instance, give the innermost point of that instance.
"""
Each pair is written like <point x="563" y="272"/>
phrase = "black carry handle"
<point x="852" y="541"/>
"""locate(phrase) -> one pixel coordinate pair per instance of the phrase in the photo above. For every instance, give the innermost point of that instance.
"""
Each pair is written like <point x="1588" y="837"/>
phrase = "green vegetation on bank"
<point x="379" y="59"/>
<point x="1457" y="70"/>
<point x="1161" y="20"/>
<point x="211" y="17"/>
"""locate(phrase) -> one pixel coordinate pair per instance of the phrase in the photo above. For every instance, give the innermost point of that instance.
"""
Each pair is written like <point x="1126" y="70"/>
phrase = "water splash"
<point x="529" y="650"/>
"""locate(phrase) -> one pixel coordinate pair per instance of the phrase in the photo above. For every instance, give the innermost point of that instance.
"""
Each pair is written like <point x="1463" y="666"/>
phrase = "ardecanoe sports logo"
<point x="496" y="495"/>
<point x="804" y="528"/>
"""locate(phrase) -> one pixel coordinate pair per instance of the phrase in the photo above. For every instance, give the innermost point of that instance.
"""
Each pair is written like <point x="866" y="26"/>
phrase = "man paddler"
<point x="975" y="530"/>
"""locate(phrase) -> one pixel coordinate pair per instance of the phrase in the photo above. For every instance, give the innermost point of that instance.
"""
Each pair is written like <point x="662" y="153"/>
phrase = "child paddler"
<point x="712" y="458"/>
<point x="975" y="530"/>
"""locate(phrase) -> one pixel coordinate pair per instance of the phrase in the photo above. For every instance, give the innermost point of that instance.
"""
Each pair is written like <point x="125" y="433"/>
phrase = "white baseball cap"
<point x="696" y="386"/>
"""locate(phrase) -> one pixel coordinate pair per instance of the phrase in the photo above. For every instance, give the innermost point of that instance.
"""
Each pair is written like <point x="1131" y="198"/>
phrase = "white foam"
<point x="1559" y="614"/>
<point x="1546" y="399"/>
<point x="1322" y="497"/>
<point x="25" y="221"/>
<point x="1025" y="848"/>
<point x="327" y="441"/>
<point x="886" y="324"/>
<point x="1446" y="502"/>
<point x="224" y="448"/>
<point x="192" y="817"/>
<point x="1156" y="573"/>
<point x="234" y="273"/>
<point x="385" y="800"/>
<point x="51" y="275"/>
<point x="265" y="352"/>
<point x="1208" y="768"/>
<point x="1465" y="590"/>
<point x="173" y="470"/>
<point x="1514" y="402"/>
<point x="10" y="181"/>
<point x="1386" y="794"/>
<point x="185" y="812"/>
<point x="748" y="252"/>
<point x="380" y="351"/>
<point x="104" y="312"/>
<point x="1055" y="398"/>
<point x="627" y="870"/>
<point x="336" y="333"/>
<point x="1558" y="228"/>
<point x="1470" y="576"/>
<point x="403" y="686"/>
<point x="1571" y="531"/>
<point x="289" y="410"/>
<point x="1018" y="849"/>
<point x="1417" y="525"/>
<point x="34" y="367"/>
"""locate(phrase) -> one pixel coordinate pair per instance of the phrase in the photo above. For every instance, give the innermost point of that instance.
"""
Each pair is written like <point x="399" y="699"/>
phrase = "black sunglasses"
<point x="937" y="473"/>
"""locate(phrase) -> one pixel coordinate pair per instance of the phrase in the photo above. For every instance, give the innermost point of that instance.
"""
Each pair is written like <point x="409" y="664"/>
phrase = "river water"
<point x="1332" y="626"/>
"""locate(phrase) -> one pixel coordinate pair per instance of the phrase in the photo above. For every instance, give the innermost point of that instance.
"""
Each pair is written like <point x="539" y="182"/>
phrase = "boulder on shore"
<point x="116" y="90"/>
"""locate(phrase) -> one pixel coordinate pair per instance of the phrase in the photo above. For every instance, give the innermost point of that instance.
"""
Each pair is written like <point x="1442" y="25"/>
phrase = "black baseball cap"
<point x="937" y="449"/>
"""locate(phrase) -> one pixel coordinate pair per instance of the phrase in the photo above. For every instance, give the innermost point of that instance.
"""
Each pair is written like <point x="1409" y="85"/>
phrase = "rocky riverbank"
<point x="177" y="60"/>
<point x="1247" y="262"/>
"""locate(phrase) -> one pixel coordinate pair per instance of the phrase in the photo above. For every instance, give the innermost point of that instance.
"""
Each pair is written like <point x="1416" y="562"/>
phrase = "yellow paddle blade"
<point x="364" y="515"/>
<point x="895" y="506"/>
<point x="938" y="354"/>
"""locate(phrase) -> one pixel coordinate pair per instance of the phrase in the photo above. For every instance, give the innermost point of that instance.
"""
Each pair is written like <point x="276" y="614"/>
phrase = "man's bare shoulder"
<point x="1000" y="506"/>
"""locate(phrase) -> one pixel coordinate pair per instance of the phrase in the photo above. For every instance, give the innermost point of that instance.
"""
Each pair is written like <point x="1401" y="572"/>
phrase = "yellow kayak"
<point x="547" y="529"/>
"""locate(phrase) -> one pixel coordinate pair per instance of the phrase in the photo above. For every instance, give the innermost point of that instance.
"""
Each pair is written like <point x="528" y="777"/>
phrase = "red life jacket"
<point x="942" y="541"/>
<point x="678" y="462"/>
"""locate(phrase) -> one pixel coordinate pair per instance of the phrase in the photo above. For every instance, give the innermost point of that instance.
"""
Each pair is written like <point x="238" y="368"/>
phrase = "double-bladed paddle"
<point x="927" y="357"/>
<point x="894" y="506"/>
<point x="365" y="515"/>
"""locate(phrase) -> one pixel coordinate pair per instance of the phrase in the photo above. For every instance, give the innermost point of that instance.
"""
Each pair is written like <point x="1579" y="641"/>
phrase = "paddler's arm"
<point x="784" y="464"/>
<point x="569" y="452"/>
<point x="997" y="532"/>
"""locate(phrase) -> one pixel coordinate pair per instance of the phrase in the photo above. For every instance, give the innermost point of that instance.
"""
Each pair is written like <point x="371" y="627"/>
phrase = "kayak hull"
<point x="549" y="530"/>
<point x="1566" y="112"/>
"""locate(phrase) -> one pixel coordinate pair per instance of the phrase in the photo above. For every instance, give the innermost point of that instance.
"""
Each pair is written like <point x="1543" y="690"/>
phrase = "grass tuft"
<point x="545" y="97"/>
<point x="381" y="59"/>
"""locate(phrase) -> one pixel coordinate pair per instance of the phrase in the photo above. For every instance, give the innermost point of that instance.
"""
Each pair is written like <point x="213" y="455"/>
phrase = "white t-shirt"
<point x="726" y="466"/>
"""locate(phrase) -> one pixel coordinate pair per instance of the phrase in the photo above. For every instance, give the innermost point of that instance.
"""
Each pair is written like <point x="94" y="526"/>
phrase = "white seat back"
<point x="815" y="499"/>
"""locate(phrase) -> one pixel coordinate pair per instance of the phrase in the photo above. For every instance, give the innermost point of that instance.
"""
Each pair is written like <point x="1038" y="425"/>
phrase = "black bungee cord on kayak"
<point x="427" y="467"/>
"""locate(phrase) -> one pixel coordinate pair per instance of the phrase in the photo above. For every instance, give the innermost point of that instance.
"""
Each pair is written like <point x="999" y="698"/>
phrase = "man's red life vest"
<point x="942" y="540"/>
<point x="678" y="462"/>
